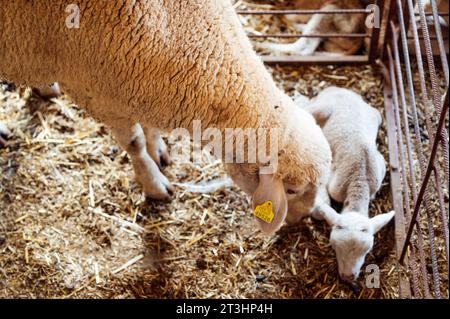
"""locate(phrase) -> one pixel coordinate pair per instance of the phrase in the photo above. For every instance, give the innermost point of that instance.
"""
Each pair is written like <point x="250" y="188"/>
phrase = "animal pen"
<point x="418" y="146"/>
<point x="74" y="224"/>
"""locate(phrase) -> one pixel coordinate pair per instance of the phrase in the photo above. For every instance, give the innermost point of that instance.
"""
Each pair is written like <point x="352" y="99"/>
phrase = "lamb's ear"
<point x="269" y="203"/>
<point x="380" y="221"/>
<point x="328" y="213"/>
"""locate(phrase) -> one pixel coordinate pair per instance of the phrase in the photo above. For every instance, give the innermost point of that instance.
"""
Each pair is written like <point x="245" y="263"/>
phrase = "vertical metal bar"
<point x="397" y="198"/>
<point x="429" y="126"/>
<point x="418" y="142"/>
<point x="410" y="148"/>
<point x="430" y="166"/>
<point x="391" y="15"/>
<point x="434" y="85"/>
<point x="376" y="33"/>
<point x="440" y="39"/>
<point x="392" y="99"/>
<point x="428" y="172"/>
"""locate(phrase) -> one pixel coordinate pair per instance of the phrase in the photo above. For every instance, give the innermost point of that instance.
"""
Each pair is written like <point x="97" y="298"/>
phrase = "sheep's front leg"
<point x="156" y="147"/>
<point x="155" y="185"/>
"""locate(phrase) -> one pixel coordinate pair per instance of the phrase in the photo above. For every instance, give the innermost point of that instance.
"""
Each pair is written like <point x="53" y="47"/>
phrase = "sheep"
<point x="141" y="65"/>
<point x="351" y="126"/>
<point x="324" y="23"/>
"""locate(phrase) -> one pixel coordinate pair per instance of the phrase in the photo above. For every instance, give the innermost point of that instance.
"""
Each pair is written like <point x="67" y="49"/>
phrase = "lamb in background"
<point x="321" y="24"/>
<point x="351" y="126"/>
<point x="164" y="64"/>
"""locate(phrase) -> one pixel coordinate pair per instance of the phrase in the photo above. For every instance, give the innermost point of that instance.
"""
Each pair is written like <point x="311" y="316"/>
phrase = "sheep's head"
<point x="352" y="237"/>
<point x="274" y="196"/>
<point x="290" y="191"/>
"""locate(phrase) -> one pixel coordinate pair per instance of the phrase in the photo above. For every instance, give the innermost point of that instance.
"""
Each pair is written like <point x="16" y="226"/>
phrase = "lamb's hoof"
<point x="5" y="134"/>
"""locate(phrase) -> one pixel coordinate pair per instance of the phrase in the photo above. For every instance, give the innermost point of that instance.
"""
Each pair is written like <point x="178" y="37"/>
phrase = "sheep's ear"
<point x="328" y="213"/>
<point x="380" y="221"/>
<point x="269" y="203"/>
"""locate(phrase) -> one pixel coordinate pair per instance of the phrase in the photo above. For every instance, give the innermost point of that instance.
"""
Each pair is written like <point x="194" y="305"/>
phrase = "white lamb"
<point x="351" y="126"/>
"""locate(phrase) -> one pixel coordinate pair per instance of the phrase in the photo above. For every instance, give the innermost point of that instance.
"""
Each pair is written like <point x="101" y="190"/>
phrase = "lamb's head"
<point x="302" y="166"/>
<point x="352" y="237"/>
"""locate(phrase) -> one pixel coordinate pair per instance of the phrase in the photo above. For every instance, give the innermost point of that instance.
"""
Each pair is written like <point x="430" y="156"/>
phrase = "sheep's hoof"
<point x="164" y="157"/>
<point x="158" y="188"/>
<point x="158" y="151"/>
<point x="5" y="134"/>
<point x="163" y="195"/>
<point x="48" y="92"/>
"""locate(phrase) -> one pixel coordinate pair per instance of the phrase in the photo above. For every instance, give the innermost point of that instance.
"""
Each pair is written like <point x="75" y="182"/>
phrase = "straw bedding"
<point x="74" y="224"/>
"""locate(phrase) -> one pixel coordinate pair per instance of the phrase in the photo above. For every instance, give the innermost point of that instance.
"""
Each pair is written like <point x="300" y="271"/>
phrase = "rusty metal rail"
<point x="328" y="35"/>
<point x="284" y="12"/>
<point x="373" y="35"/>
<point x="421" y="150"/>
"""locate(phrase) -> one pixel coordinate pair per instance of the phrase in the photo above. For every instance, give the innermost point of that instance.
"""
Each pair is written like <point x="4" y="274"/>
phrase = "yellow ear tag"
<point x="265" y="212"/>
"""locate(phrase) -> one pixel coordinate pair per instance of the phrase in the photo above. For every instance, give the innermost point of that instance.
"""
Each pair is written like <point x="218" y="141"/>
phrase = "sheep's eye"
<point x="291" y="192"/>
<point x="339" y="227"/>
<point x="364" y="230"/>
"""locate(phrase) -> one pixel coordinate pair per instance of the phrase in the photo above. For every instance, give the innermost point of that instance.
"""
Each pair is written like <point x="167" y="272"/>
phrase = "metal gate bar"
<point x="430" y="178"/>
<point x="374" y="37"/>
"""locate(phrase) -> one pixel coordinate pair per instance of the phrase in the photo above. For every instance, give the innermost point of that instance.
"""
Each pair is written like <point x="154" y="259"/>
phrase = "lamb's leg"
<point x="303" y="46"/>
<point x="156" y="147"/>
<point x="301" y="27"/>
<point x="155" y="185"/>
<point x="4" y="134"/>
<point x="322" y="203"/>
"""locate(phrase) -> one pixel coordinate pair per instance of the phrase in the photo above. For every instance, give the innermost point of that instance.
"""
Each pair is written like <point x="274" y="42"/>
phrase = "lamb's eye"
<point x="339" y="227"/>
<point x="364" y="230"/>
<point x="291" y="192"/>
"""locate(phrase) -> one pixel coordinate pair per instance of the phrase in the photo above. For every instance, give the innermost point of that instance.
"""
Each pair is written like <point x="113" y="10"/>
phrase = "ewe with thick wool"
<point x="217" y="79"/>
<point x="73" y="223"/>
